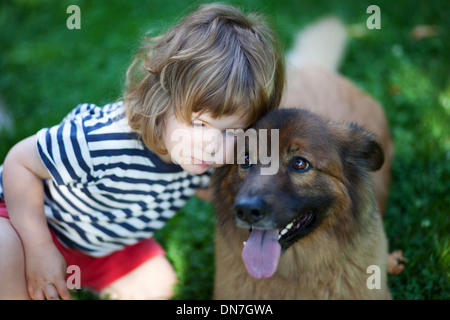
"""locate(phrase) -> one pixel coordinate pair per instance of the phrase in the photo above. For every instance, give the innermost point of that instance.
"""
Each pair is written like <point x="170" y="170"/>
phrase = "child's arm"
<point x="23" y="172"/>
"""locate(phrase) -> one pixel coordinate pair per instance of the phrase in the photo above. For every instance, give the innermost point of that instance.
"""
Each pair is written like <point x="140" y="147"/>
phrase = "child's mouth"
<point x="200" y="162"/>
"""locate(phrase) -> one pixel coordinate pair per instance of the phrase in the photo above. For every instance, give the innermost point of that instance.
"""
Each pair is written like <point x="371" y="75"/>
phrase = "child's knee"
<point x="152" y="280"/>
<point x="12" y="263"/>
<point x="165" y="277"/>
<point x="11" y="250"/>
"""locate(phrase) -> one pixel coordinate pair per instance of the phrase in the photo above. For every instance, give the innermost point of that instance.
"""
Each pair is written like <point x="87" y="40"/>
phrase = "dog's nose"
<point x="250" y="209"/>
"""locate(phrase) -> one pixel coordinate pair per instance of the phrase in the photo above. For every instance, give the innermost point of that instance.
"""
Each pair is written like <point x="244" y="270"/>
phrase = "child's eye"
<point x="197" y="124"/>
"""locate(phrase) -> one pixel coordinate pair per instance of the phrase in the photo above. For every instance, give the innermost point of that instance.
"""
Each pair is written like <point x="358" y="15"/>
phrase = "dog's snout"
<point x="250" y="209"/>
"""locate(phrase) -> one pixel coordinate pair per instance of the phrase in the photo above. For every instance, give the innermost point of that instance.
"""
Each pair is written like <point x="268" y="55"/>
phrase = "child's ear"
<point x="363" y="148"/>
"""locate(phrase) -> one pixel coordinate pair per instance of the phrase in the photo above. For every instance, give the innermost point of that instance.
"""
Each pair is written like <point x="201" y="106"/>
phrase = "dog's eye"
<point x="247" y="162"/>
<point x="300" y="164"/>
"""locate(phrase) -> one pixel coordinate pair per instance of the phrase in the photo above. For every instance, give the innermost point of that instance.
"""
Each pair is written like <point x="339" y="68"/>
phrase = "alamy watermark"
<point x="252" y="146"/>
<point x="374" y="21"/>
<point x="255" y="143"/>
<point x="74" y="280"/>
<point x="374" y="280"/>
<point x="74" y="20"/>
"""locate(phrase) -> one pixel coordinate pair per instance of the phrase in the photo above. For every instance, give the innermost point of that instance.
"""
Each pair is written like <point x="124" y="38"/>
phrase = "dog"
<point x="312" y="230"/>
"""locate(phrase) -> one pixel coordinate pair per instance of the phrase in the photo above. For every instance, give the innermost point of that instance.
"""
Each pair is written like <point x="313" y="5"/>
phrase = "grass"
<point x="47" y="69"/>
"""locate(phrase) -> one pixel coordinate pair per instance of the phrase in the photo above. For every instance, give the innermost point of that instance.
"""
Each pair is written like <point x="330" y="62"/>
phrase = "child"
<point x="92" y="190"/>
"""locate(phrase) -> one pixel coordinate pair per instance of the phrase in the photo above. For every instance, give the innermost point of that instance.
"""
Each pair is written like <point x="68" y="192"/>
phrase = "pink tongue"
<point x="261" y="253"/>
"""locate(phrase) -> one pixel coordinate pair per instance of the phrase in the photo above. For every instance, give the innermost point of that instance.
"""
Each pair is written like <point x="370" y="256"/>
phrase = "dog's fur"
<point x="329" y="255"/>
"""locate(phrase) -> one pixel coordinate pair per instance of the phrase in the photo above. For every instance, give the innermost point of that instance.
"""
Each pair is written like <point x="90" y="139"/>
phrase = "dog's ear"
<point x="363" y="148"/>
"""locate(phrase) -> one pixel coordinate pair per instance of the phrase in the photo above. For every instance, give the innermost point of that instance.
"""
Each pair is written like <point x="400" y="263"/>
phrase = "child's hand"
<point x="46" y="271"/>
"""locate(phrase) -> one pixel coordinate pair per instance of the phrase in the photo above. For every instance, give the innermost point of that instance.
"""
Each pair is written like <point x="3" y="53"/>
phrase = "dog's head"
<point x="321" y="171"/>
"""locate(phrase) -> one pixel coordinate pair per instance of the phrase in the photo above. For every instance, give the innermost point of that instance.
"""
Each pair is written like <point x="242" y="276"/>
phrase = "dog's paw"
<point x="394" y="259"/>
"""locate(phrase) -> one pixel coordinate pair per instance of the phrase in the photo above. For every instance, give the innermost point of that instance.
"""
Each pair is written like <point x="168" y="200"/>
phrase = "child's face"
<point x="201" y="145"/>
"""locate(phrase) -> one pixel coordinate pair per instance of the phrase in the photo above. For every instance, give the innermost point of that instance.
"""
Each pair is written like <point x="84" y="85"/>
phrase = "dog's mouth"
<point x="264" y="247"/>
<point x="295" y="229"/>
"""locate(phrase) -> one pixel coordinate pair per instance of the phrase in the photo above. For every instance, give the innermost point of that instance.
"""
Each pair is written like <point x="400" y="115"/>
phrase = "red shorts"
<point x="99" y="272"/>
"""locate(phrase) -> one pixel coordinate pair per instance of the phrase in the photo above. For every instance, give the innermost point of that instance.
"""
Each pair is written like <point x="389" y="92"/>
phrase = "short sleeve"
<point x="64" y="152"/>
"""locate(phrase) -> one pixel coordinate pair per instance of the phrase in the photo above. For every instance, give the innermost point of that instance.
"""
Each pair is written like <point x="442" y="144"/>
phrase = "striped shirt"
<point x="107" y="190"/>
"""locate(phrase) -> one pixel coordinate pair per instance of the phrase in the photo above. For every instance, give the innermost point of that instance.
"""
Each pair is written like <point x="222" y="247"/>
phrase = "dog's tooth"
<point x="279" y="236"/>
<point x="289" y="225"/>
<point x="244" y="242"/>
<point x="283" y="231"/>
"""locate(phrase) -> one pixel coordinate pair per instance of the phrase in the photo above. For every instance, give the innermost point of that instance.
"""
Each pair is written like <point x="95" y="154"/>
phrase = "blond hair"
<point x="216" y="60"/>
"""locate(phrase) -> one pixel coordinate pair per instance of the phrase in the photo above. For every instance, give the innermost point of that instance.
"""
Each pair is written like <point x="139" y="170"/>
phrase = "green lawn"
<point x="47" y="69"/>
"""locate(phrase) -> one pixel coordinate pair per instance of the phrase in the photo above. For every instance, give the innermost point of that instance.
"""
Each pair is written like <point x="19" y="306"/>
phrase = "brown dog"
<point x="315" y="228"/>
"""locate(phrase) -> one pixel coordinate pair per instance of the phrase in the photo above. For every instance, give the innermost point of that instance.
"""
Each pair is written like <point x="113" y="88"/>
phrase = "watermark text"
<point x="74" y="20"/>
